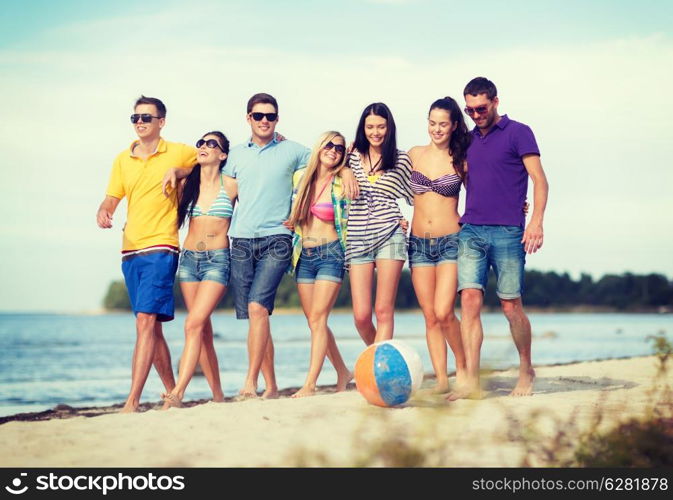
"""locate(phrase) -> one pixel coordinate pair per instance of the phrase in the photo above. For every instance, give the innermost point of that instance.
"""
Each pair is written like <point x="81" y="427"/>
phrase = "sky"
<point x="590" y="78"/>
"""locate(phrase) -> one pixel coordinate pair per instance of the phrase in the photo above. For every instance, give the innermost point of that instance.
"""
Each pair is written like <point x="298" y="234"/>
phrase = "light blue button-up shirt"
<point x="264" y="177"/>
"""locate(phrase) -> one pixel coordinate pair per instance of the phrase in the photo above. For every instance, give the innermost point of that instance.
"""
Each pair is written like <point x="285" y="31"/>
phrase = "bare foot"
<point x="307" y="390"/>
<point x="248" y="391"/>
<point x="129" y="409"/>
<point x="342" y="380"/>
<point x="524" y="387"/>
<point x="218" y="399"/>
<point x="270" y="394"/>
<point x="465" y="391"/>
<point x="441" y="387"/>
<point x="171" y="401"/>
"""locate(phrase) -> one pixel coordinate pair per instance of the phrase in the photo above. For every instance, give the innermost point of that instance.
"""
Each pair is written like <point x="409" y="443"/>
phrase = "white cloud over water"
<point x="599" y="111"/>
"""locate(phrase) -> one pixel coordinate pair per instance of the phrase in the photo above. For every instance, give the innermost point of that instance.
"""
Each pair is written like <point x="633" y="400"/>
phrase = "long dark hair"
<point x="460" y="138"/>
<point x="389" y="146"/>
<point x="192" y="188"/>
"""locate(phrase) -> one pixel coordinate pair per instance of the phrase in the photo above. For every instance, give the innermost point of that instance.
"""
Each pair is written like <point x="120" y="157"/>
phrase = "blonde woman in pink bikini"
<point x="318" y="218"/>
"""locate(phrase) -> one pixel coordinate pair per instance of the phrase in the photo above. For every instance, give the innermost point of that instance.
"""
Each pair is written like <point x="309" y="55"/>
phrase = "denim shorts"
<point x="149" y="280"/>
<point x="429" y="252"/>
<point x="208" y="265"/>
<point x="257" y="266"/>
<point x="394" y="248"/>
<point x="482" y="247"/>
<point x="325" y="262"/>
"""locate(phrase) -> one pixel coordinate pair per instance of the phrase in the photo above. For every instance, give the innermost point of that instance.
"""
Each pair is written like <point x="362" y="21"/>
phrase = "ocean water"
<point x="85" y="360"/>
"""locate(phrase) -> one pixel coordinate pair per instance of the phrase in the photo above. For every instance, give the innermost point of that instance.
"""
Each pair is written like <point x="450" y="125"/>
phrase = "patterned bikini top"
<point x="221" y="207"/>
<point x="447" y="185"/>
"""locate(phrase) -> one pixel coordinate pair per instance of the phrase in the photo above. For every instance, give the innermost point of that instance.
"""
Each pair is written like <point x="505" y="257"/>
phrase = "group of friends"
<point x="270" y="206"/>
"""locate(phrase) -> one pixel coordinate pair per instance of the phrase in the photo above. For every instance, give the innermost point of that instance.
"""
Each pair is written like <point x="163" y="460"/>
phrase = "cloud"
<point x="596" y="110"/>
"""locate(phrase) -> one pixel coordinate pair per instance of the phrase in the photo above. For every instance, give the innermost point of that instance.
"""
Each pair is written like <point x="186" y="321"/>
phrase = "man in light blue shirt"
<point x="261" y="246"/>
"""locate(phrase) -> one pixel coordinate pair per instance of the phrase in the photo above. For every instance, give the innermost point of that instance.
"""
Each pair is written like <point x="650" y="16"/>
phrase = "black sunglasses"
<point x="339" y="148"/>
<point x="479" y="110"/>
<point x="211" y="143"/>
<point x="269" y="116"/>
<point x="145" y="117"/>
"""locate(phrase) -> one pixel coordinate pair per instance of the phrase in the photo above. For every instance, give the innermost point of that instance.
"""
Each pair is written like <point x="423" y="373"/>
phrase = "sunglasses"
<point x="211" y="143"/>
<point x="478" y="110"/>
<point x="339" y="148"/>
<point x="145" y="117"/>
<point x="269" y="116"/>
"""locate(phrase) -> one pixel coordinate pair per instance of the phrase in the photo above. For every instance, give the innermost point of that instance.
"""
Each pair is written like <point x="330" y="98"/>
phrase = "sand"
<point x="341" y="429"/>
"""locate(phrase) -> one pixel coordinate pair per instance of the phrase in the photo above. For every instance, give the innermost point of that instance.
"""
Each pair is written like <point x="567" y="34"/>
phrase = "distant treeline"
<point x="626" y="292"/>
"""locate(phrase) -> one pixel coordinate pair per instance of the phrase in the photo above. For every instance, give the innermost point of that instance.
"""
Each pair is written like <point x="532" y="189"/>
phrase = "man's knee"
<point x="471" y="300"/>
<point x="146" y="322"/>
<point x="512" y="309"/>
<point x="257" y="311"/>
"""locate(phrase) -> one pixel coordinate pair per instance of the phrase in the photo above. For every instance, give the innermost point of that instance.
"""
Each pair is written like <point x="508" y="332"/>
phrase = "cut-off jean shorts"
<point x="257" y="266"/>
<point x="429" y="252"/>
<point x="482" y="247"/>
<point x="394" y="248"/>
<point x="324" y="262"/>
<point x="207" y="265"/>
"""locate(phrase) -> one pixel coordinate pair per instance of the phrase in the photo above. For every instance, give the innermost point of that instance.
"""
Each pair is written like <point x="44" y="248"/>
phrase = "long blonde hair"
<point x="302" y="205"/>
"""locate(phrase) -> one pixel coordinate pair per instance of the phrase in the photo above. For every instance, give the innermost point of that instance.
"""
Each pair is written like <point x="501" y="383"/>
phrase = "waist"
<point x="205" y="254"/>
<point x="326" y="248"/>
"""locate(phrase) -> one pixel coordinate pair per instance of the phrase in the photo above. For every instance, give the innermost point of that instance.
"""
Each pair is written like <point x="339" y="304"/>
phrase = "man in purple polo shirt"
<point x="501" y="156"/>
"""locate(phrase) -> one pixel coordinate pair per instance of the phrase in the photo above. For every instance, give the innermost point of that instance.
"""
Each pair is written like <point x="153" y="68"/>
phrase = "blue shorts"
<point x="208" y="265"/>
<point x="149" y="280"/>
<point x="429" y="252"/>
<point x="324" y="262"/>
<point x="394" y="248"/>
<point x="257" y="266"/>
<point x="499" y="247"/>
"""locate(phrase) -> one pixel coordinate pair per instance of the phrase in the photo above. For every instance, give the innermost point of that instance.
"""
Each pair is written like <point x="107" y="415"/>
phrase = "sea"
<point x="85" y="360"/>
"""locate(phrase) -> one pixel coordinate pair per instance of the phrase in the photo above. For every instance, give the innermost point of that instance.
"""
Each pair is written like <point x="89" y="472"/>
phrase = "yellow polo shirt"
<point x="151" y="217"/>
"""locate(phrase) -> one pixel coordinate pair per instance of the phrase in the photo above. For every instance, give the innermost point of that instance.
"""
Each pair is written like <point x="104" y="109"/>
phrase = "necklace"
<point x="372" y="169"/>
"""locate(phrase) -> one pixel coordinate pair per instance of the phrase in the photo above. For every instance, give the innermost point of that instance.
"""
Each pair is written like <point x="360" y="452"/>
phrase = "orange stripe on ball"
<point x="364" y="377"/>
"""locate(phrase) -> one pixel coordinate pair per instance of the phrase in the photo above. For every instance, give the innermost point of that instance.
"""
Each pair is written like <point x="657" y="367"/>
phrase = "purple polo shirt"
<point x="497" y="181"/>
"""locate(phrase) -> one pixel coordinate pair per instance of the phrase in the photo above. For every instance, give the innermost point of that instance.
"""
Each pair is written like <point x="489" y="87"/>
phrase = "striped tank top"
<point x="375" y="215"/>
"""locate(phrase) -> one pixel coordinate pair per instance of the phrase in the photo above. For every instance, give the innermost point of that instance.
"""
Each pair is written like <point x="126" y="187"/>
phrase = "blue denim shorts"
<point x="429" y="252"/>
<point x="499" y="247"/>
<point x="149" y="280"/>
<point x="394" y="248"/>
<point x="208" y="265"/>
<point x="325" y="262"/>
<point x="257" y="266"/>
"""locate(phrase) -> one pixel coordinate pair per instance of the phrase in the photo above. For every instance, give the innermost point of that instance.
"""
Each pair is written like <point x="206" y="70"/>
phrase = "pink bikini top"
<point x="323" y="211"/>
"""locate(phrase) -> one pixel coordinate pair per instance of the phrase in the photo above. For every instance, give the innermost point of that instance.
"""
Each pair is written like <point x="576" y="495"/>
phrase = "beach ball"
<point x="387" y="373"/>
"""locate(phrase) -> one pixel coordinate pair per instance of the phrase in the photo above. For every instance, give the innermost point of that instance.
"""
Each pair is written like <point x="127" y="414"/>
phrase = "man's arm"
<point x="106" y="210"/>
<point x="533" y="235"/>
<point x="171" y="179"/>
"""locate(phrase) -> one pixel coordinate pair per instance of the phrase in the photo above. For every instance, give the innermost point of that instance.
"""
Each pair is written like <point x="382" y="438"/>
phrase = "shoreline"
<point x="282" y="311"/>
<point x="342" y="430"/>
<point x="64" y="411"/>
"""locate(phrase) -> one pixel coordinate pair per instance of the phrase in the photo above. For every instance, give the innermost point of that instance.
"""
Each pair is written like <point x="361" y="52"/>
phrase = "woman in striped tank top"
<point x="438" y="171"/>
<point x="375" y="239"/>
<point x="207" y="198"/>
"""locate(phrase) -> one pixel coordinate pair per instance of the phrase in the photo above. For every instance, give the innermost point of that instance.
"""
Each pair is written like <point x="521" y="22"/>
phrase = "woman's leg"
<point x="387" y="279"/>
<point x="209" y="364"/>
<point x="206" y="297"/>
<point x="362" y="280"/>
<point x="445" y="304"/>
<point x="423" y="279"/>
<point x="321" y="295"/>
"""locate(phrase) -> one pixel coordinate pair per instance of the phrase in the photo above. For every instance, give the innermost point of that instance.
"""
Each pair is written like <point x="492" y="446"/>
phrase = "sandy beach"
<point x="341" y="429"/>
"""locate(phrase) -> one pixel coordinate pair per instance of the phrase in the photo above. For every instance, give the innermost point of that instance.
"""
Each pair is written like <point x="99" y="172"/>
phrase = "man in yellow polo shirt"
<point x="150" y="247"/>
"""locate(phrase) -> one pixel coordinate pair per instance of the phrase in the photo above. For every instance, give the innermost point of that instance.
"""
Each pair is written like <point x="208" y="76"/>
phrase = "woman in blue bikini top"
<point x="207" y="199"/>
